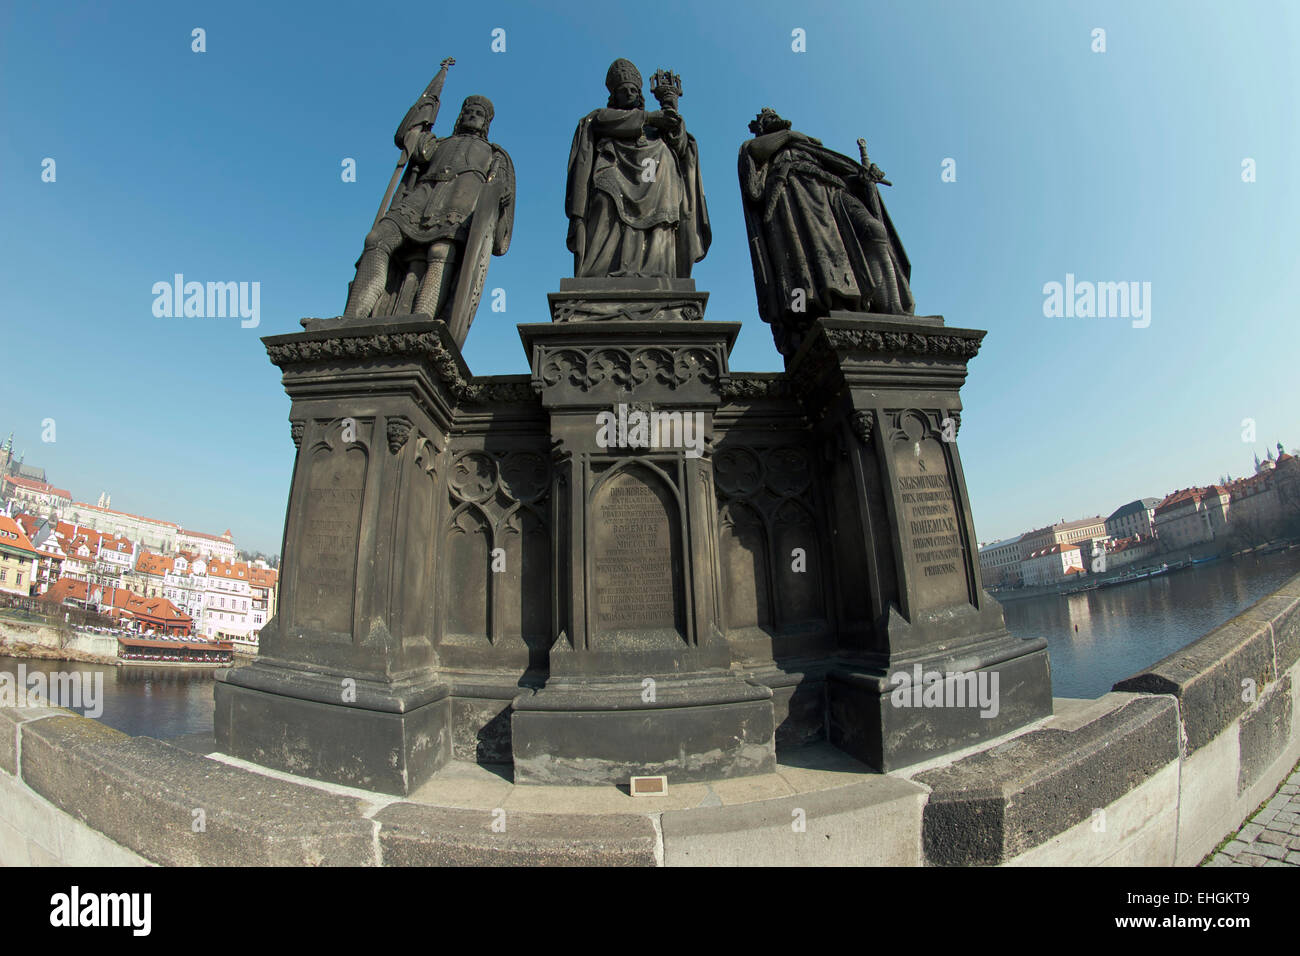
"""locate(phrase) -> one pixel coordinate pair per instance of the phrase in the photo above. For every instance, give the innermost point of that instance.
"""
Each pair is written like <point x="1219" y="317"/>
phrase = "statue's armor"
<point x="451" y="175"/>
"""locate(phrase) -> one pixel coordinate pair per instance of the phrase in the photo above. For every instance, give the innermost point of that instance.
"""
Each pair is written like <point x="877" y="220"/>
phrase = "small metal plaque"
<point x="649" y="786"/>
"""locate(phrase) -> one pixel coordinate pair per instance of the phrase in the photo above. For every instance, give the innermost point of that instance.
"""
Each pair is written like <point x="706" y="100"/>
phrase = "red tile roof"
<point x="150" y="563"/>
<point x="65" y="588"/>
<point x="38" y="486"/>
<point x="1179" y="499"/>
<point x="228" y="569"/>
<point x="264" y="577"/>
<point x="13" y="536"/>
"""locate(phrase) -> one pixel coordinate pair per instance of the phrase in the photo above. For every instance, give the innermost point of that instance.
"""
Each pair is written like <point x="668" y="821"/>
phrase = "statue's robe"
<point x="622" y="222"/>
<point x="819" y="235"/>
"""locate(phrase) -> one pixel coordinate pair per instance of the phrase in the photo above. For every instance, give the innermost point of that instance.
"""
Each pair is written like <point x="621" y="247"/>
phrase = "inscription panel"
<point x="327" y="553"/>
<point x="636" y="564"/>
<point x="931" y="530"/>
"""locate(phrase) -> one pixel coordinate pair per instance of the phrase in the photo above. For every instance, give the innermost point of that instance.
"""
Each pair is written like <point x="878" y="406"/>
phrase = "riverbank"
<point x="44" y="642"/>
<point x="1179" y="560"/>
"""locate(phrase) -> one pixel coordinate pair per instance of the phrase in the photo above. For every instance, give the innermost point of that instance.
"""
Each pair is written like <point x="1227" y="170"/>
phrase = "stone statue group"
<point x="819" y="236"/>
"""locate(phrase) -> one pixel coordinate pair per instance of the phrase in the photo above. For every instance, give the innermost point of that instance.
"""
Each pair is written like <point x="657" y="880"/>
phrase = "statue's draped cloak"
<point x="622" y="224"/>
<point x="814" y="226"/>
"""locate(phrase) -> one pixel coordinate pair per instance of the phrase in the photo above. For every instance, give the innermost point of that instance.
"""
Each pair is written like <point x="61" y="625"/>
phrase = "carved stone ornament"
<point x="918" y="343"/>
<point x="626" y="368"/>
<point x="863" y="423"/>
<point x="599" y="310"/>
<point x="398" y="428"/>
<point x="422" y="345"/>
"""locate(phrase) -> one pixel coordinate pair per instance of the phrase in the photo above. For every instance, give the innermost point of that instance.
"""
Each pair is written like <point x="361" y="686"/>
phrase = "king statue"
<point x="819" y="235"/>
<point x="428" y="252"/>
<point x="634" y="198"/>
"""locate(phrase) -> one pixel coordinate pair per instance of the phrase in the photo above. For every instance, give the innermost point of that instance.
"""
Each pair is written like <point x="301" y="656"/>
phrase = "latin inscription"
<point x="330" y="542"/>
<point x="930" y="518"/>
<point x="634" y="578"/>
<point x="327" y="552"/>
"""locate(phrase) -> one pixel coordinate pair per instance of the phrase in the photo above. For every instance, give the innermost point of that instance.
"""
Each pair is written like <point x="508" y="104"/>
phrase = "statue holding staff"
<point x="454" y="208"/>
<point x="634" y="198"/>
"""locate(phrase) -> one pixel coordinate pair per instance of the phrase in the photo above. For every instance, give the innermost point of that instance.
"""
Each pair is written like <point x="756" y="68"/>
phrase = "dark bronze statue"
<point x="634" y="198"/>
<point x="819" y="236"/>
<point x="428" y="252"/>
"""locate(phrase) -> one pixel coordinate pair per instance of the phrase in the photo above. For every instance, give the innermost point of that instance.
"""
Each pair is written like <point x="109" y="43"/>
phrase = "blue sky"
<point x="225" y="166"/>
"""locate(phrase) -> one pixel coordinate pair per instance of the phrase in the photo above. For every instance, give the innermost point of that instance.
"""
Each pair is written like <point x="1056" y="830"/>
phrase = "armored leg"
<point x="438" y="279"/>
<point x="372" y="270"/>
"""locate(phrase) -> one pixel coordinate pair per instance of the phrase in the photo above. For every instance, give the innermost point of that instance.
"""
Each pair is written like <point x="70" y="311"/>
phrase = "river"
<point x="1099" y="637"/>
<point x="1094" y="640"/>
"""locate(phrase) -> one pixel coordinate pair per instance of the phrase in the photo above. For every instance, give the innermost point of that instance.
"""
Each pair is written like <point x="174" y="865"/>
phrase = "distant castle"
<point x="11" y="465"/>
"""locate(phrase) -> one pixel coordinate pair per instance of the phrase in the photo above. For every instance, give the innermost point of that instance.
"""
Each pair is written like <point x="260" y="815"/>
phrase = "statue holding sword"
<point x="820" y="238"/>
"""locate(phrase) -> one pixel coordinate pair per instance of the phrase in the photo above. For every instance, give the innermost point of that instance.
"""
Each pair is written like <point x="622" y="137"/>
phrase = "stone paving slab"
<point x="1271" y="837"/>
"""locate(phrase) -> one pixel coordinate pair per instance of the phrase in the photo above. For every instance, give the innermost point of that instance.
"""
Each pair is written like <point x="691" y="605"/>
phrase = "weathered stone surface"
<point x="1282" y="612"/>
<point x="874" y="823"/>
<point x="1206" y="677"/>
<point x="414" y="835"/>
<point x="799" y="711"/>
<point x="865" y="721"/>
<point x="997" y="804"/>
<point x="11" y="718"/>
<point x="1138" y="829"/>
<point x="146" y="795"/>
<point x="481" y="729"/>
<point x="1265" y="732"/>
<point x="374" y="750"/>
<point x="687" y="743"/>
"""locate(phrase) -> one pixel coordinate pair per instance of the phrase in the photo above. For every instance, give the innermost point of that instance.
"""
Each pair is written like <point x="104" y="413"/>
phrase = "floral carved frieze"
<point x="426" y="346"/>
<point x="626" y="368"/>
<point x="745" y="386"/>
<point x="918" y="343"/>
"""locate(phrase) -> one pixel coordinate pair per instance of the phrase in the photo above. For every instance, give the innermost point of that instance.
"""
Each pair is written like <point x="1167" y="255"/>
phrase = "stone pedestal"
<point x="345" y="687"/>
<point x="882" y="392"/>
<point x="640" y="679"/>
<point x="553" y="570"/>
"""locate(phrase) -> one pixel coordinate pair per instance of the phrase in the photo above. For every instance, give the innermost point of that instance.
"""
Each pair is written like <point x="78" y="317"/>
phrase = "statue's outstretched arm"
<point x="618" y="124"/>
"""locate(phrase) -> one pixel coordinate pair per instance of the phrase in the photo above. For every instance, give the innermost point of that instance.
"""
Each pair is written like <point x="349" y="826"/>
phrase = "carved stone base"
<point x="389" y="738"/>
<point x="884" y="721"/>
<point x="637" y="299"/>
<point x="604" y="732"/>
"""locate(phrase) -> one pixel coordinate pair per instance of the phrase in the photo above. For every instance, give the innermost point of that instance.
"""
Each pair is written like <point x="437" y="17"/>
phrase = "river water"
<point x="1094" y="640"/>
<point x="161" y="702"/>
<point x="1100" y="637"/>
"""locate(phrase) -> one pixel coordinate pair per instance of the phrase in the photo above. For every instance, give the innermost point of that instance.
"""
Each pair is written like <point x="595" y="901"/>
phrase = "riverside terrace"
<point x="1172" y="760"/>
